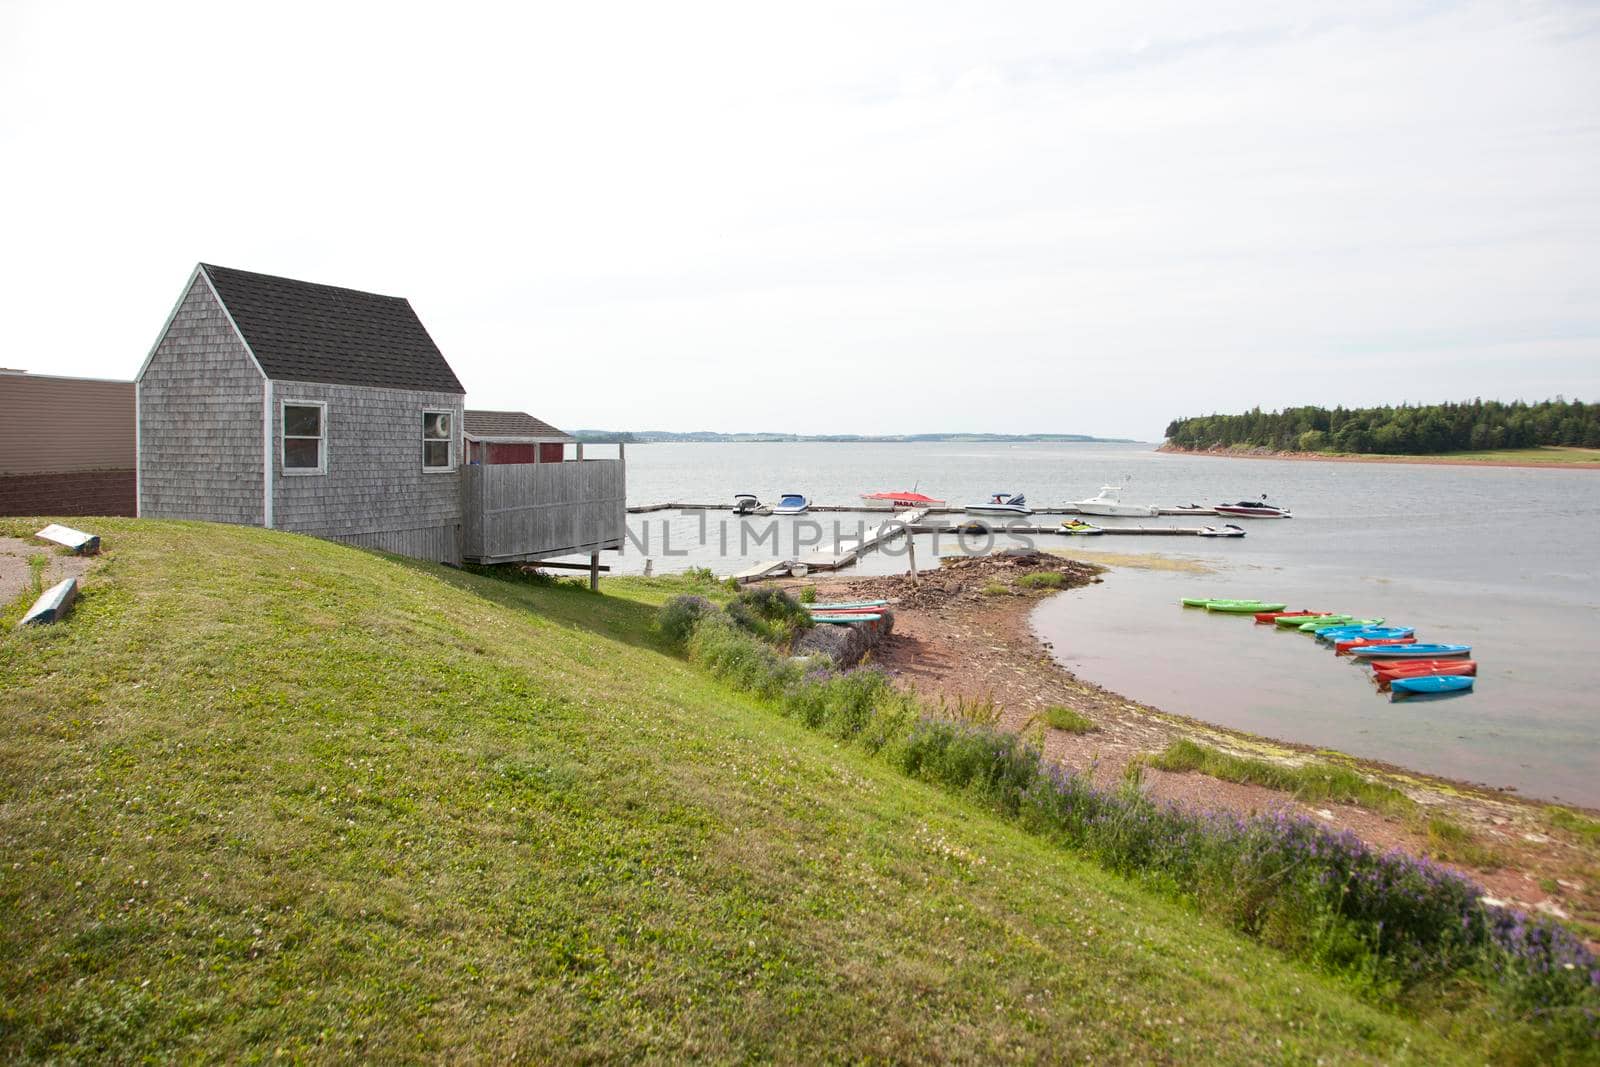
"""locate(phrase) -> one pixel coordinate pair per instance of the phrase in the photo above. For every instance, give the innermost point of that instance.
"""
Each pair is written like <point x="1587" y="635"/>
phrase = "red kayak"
<point x="1460" y="666"/>
<point x="1341" y="647"/>
<point x="1274" y="616"/>
<point x="1401" y="668"/>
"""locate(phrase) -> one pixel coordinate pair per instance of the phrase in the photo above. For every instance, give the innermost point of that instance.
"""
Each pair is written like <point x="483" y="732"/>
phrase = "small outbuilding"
<point x="513" y="437"/>
<point x="330" y="411"/>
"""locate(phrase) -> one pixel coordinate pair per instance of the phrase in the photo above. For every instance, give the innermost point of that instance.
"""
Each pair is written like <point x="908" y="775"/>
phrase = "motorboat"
<point x="904" y="498"/>
<point x="1109" y="502"/>
<point x="1252" y="509"/>
<point x="1192" y="509"/>
<point x="791" y="504"/>
<point x="1225" y="530"/>
<point x="1001" y="504"/>
<point x="1078" y="526"/>
<point x="745" y="504"/>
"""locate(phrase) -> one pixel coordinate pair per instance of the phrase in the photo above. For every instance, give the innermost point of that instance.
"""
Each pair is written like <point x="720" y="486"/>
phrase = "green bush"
<point x="1061" y="717"/>
<point x="769" y="612"/>
<point x="731" y="654"/>
<point x="1042" y="580"/>
<point x="678" y="616"/>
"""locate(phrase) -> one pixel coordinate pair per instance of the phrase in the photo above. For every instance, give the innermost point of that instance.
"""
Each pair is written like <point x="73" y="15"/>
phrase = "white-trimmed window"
<point x="438" y="441"/>
<point x="305" y="437"/>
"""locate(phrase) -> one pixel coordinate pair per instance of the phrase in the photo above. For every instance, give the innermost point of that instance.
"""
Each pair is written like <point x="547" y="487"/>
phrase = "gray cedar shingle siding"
<point x="375" y="492"/>
<point x="200" y="419"/>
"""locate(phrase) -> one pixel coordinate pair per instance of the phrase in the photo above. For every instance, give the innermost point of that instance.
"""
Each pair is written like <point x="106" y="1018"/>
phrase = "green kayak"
<point x="1320" y="620"/>
<point x="1311" y="628"/>
<point x="1206" y="601"/>
<point x="1249" y="608"/>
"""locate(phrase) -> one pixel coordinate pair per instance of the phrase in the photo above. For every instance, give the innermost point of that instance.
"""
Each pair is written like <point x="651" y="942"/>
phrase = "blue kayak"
<point x="1350" y="633"/>
<point x="1435" y="683"/>
<point x="1411" y="651"/>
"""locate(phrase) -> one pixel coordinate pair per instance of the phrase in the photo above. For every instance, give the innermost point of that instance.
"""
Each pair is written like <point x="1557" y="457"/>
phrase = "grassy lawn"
<point x="264" y="794"/>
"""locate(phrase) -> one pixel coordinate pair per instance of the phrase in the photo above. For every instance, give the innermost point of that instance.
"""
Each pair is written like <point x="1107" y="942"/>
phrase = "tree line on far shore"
<point x="1470" y="426"/>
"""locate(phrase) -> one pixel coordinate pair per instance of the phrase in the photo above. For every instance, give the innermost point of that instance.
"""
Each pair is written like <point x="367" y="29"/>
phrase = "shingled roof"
<point x="509" y="425"/>
<point x="304" y="332"/>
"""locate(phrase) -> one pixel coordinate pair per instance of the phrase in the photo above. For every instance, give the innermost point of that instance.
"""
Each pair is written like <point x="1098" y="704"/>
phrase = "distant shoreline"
<point x="1442" y="460"/>
<point x="658" y="437"/>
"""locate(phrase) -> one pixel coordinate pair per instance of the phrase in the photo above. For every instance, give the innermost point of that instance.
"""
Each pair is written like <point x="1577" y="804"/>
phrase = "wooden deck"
<point x="519" y="512"/>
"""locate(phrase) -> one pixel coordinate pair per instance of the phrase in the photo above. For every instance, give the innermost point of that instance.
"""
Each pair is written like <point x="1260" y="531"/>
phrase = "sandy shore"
<point x="1430" y="461"/>
<point x="965" y="635"/>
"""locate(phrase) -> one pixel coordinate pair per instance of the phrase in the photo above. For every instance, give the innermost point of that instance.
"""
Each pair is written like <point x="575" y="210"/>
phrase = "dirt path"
<point x="964" y="635"/>
<point x="16" y="573"/>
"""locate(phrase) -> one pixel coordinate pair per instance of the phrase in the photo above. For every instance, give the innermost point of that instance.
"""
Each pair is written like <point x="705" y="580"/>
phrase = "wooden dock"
<point x="846" y="552"/>
<point x="1063" y="509"/>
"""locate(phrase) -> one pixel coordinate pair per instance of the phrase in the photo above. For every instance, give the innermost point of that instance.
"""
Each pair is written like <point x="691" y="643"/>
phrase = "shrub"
<point x="678" y="616"/>
<point x="1061" y="717"/>
<point x="728" y="652"/>
<point x="808" y="595"/>
<point x="996" y="589"/>
<point x="840" y="704"/>
<point x="769" y="612"/>
<point x="700" y="576"/>
<point x="1042" y="580"/>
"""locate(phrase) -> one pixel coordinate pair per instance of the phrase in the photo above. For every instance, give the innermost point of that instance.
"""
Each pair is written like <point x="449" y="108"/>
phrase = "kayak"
<point x="1432" y="683"/>
<point x="1341" y="647"/>
<point x="1272" y="616"/>
<point x="1207" y="601"/>
<point x="1456" y="668"/>
<point x="1351" y="633"/>
<point x="1315" y="626"/>
<point x="1321" y="620"/>
<point x="847" y="619"/>
<point x="1242" y="609"/>
<point x="1425" y="666"/>
<point x="847" y="611"/>
<point x="1412" y="651"/>
<point x="848" y="605"/>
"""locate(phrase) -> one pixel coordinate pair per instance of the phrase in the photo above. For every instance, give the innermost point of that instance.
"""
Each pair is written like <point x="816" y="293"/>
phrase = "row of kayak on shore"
<point x="1399" y="662"/>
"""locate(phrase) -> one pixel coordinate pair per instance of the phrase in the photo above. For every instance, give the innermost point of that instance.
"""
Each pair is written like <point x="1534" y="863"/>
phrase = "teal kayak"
<point x="1434" y="683"/>
<point x="850" y="604"/>
<point x="845" y="620"/>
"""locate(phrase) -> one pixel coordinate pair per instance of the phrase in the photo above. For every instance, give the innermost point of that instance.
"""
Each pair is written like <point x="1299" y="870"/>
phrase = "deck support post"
<point x="594" y="572"/>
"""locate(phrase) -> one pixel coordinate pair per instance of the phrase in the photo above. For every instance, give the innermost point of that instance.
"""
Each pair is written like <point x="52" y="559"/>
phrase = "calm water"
<point x="1505" y="560"/>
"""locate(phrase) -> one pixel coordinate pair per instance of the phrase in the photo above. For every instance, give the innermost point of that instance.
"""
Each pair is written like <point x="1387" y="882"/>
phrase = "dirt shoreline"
<point x="1427" y="461"/>
<point x="965" y="635"/>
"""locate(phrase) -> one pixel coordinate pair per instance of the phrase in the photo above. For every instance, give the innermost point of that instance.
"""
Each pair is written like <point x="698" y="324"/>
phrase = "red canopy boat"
<point x="905" y="498"/>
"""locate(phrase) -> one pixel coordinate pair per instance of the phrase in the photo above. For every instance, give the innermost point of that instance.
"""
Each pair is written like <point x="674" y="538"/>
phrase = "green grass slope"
<point x="264" y="795"/>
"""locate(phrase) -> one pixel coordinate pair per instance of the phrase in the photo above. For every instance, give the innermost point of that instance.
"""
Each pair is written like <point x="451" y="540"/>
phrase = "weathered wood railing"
<point x="524" y="511"/>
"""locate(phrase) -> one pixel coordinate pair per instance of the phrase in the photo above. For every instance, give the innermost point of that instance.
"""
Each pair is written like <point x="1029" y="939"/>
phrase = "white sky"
<point x="823" y="218"/>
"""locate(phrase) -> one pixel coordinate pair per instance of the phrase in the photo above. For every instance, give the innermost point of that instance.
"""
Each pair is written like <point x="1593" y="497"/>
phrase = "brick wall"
<point x="76" y="493"/>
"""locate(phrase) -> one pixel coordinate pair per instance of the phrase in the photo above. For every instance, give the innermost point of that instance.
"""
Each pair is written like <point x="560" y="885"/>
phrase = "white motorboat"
<point x="745" y="504"/>
<point x="1225" y="530"/>
<point x="791" y="504"/>
<point x="1001" y="504"/>
<point x="1109" y="502"/>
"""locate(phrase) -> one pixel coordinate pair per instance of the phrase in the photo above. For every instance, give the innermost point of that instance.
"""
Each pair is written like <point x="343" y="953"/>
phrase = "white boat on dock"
<point x="1109" y="502"/>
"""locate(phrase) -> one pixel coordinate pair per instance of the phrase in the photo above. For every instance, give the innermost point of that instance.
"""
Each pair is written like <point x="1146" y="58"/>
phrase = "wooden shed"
<point x="513" y="437"/>
<point x="330" y="411"/>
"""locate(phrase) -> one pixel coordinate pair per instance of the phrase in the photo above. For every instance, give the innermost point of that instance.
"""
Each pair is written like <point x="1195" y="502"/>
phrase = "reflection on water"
<point x="1505" y="560"/>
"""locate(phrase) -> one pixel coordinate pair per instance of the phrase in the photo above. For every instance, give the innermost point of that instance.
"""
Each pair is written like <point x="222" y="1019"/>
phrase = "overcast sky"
<point x="1017" y="217"/>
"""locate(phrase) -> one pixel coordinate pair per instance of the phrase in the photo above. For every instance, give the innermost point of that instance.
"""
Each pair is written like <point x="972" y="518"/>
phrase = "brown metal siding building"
<point x="67" y="445"/>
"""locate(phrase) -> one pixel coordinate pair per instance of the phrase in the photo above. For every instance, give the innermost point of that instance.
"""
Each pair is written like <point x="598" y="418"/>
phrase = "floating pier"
<point x="1063" y="509"/>
<point x="847" y="551"/>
